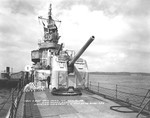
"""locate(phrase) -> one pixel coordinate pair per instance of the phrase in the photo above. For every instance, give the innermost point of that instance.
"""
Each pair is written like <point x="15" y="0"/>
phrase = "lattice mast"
<point x="49" y="45"/>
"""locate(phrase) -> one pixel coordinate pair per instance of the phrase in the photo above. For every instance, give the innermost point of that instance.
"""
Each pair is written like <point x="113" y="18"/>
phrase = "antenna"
<point x="50" y="13"/>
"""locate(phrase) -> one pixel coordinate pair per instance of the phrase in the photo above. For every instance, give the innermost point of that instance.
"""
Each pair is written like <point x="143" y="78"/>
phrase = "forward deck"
<point x="42" y="104"/>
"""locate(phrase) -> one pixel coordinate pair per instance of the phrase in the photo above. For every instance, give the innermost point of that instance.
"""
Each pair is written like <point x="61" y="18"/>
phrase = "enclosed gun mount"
<point x="73" y="75"/>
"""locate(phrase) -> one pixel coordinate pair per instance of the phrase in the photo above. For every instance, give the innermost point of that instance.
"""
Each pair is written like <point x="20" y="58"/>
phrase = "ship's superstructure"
<point x="66" y="70"/>
<point x="48" y="46"/>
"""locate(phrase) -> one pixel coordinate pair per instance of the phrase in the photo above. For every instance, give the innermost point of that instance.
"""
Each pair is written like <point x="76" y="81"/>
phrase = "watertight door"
<point x="71" y="80"/>
<point x="62" y="79"/>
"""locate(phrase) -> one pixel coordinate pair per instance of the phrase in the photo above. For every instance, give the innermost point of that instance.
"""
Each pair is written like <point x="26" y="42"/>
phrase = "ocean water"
<point x="133" y="81"/>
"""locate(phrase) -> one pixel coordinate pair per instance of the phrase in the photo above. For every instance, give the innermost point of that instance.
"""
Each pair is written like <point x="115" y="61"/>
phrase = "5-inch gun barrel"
<point x="71" y="63"/>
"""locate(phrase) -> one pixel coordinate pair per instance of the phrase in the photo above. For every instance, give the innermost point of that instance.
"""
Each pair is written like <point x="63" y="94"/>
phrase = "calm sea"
<point x="136" y="81"/>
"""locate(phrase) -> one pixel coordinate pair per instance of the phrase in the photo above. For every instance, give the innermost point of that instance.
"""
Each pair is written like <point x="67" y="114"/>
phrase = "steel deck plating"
<point x="42" y="104"/>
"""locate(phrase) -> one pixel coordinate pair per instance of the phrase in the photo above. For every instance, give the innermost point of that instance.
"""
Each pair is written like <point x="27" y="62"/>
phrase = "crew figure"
<point x="48" y="81"/>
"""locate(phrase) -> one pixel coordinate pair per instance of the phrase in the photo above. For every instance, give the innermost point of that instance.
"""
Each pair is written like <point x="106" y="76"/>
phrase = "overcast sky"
<point x="121" y="29"/>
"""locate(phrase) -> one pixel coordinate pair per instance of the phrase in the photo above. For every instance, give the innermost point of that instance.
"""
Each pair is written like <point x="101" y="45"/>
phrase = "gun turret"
<point x="71" y="63"/>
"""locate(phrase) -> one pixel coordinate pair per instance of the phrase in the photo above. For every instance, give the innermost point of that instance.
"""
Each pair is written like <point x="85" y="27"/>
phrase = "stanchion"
<point x="116" y="90"/>
<point x="98" y="87"/>
<point x="12" y="107"/>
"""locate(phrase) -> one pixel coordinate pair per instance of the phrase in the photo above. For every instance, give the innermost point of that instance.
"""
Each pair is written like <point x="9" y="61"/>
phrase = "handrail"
<point x="12" y="110"/>
<point x="8" y="99"/>
<point x="5" y="103"/>
<point x="130" y="96"/>
<point x="143" y="108"/>
<point x="16" y="98"/>
<point x="144" y="97"/>
<point x="144" y="105"/>
<point x="15" y="103"/>
<point x="116" y="89"/>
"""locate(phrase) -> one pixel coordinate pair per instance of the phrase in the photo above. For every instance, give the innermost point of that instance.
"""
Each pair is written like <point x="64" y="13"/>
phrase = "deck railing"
<point x="137" y="97"/>
<point x="16" y="96"/>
